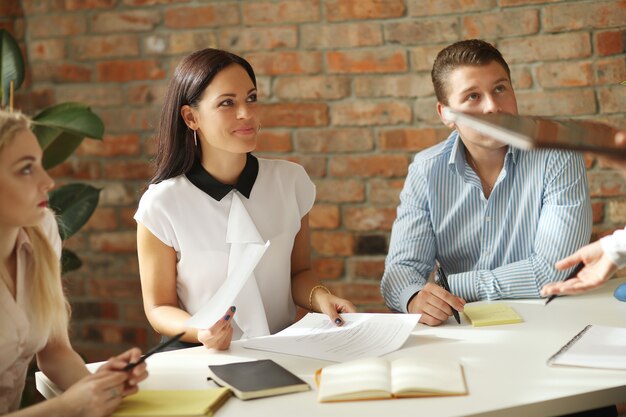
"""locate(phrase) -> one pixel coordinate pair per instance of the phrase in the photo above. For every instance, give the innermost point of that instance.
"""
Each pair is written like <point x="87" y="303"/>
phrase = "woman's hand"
<point x="134" y="376"/>
<point x="220" y="334"/>
<point x="597" y="270"/>
<point x="95" y="395"/>
<point x="331" y="305"/>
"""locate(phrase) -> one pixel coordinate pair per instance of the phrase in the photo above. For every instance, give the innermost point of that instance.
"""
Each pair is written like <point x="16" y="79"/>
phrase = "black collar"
<point x="199" y="177"/>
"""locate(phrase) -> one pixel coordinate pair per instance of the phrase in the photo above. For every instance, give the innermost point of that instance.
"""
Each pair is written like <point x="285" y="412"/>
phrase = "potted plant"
<point x="60" y="129"/>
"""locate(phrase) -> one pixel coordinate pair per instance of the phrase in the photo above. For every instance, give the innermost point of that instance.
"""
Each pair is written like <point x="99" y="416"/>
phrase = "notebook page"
<point x="599" y="347"/>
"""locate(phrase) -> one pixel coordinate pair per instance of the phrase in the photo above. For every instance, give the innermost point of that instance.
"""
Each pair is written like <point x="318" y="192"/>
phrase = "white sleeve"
<point x="304" y="190"/>
<point x="615" y="247"/>
<point x="154" y="216"/>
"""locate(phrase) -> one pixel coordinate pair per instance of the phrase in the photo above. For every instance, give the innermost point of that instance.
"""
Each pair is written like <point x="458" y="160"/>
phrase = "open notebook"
<point x="378" y="378"/>
<point x="528" y="132"/>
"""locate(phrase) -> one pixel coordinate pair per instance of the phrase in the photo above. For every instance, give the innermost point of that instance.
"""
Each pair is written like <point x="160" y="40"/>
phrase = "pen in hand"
<point x="573" y="274"/>
<point x="443" y="281"/>
<point x="152" y="351"/>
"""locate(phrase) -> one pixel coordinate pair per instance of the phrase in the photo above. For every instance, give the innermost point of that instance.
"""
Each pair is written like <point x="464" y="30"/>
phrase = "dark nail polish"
<point x="227" y="317"/>
<point x="233" y="308"/>
<point x="338" y="321"/>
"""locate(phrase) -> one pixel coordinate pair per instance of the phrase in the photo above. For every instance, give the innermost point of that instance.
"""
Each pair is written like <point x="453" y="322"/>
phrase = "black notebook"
<point x="256" y="379"/>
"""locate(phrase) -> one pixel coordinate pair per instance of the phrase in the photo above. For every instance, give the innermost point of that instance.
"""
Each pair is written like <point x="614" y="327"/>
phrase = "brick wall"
<point x="346" y="92"/>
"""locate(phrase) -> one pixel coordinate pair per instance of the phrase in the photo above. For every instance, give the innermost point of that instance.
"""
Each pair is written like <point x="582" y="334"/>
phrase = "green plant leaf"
<point x="11" y="65"/>
<point x="60" y="130"/>
<point x="69" y="261"/>
<point x="63" y="145"/>
<point x="74" y="204"/>
<point x="74" y="118"/>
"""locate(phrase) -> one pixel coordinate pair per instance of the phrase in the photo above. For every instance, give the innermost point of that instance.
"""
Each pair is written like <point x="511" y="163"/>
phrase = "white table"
<point x="505" y="367"/>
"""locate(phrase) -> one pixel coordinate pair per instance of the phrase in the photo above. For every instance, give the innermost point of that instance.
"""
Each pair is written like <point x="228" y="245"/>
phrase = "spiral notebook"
<point x="594" y="347"/>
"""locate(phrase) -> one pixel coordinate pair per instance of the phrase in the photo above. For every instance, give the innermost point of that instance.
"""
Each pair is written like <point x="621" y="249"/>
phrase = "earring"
<point x="195" y="138"/>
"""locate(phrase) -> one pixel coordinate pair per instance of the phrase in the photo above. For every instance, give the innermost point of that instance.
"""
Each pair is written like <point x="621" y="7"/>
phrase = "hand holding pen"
<point x="435" y="304"/>
<point x="443" y="281"/>
<point x="134" y="375"/>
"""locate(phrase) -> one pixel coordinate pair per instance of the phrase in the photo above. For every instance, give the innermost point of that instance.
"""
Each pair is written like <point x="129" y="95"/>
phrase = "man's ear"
<point x="445" y="121"/>
<point x="189" y="117"/>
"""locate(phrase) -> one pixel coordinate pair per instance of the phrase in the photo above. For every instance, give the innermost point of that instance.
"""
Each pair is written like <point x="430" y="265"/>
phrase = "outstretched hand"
<point x="598" y="268"/>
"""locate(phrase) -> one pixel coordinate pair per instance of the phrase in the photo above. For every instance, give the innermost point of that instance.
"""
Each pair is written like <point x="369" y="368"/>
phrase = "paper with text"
<point x="362" y="335"/>
<point x="226" y="294"/>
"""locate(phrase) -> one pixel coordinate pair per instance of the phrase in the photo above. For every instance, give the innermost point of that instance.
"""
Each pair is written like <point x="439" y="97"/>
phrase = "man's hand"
<point x="435" y="304"/>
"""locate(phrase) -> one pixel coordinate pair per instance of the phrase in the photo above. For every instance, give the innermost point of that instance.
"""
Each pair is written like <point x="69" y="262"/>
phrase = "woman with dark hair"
<point x="210" y="197"/>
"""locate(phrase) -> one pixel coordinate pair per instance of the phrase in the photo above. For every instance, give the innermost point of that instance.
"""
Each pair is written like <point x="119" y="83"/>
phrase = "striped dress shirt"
<point x="503" y="247"/>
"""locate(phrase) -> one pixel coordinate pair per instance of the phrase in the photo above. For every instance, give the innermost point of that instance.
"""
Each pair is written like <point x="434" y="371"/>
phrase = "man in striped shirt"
<point x="495" y="217"/>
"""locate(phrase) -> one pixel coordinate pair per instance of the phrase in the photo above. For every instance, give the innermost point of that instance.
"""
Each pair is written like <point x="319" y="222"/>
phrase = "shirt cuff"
<point x="463" y="285"/>
<point x="406" y="294"/>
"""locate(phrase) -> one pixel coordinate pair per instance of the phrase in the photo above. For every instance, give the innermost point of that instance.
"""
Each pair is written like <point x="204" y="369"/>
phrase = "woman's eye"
<point x="473" y="97"/>
<point x="251" y="98"/>
<point x="27" y="170"/>
<point x="500" y="89"/>
<point x="226" y="103"/>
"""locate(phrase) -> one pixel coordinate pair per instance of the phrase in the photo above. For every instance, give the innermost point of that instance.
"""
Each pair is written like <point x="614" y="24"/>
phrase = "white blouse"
<point x="19" y="340"/>
<point x="195" y="225"/>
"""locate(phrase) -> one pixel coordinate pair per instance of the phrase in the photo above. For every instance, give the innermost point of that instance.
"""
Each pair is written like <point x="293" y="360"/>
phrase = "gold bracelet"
<point x="311" y="294"/>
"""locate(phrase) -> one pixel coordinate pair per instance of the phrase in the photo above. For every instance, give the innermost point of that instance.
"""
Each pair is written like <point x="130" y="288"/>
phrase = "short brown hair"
<point x="472" y="52"/>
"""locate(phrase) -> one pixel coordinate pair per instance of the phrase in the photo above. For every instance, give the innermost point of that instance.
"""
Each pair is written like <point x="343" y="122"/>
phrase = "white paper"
<point x="362" y="335"/>
<point x="226" y="294"/>
<point x="599" y="347"/>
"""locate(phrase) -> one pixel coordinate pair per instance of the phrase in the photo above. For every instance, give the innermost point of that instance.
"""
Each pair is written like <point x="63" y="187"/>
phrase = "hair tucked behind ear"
<point x="47" y="304"/>
<point x="176" y="151"/>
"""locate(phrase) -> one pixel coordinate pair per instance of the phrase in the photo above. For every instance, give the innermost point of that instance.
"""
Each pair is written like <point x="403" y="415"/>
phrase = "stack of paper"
<point x="362" y="335"/>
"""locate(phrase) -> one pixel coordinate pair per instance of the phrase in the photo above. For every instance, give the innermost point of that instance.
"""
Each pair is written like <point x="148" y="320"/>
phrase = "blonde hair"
<point x="47" y="304"/>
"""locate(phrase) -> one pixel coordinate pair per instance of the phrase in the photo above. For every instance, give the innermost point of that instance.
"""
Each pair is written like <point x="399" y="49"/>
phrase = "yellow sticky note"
<point x="491" y="314"/>
<point x="173" y="403"/>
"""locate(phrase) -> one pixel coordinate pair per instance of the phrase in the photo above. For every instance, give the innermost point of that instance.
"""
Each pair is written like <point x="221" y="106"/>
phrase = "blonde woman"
<point x="34" y="312"/>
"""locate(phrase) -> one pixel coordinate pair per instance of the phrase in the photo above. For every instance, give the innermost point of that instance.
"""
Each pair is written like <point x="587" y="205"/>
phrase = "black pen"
<point x="152" y="351"/>
<point x="443" y="280"/>
<point x="573" y="274"/>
